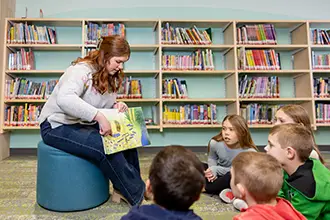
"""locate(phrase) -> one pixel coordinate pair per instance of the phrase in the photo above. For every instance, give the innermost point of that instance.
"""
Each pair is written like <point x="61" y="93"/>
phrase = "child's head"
<point x="235" y="131"/>
<point x="256" y="176"/>
<point x="292" y="114"/>
<point x="296" y="114"/>
<point x="290" y="142"/>
<point x="176" y="178"/>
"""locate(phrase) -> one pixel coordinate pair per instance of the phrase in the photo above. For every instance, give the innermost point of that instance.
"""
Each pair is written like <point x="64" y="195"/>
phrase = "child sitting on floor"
<point x="257" y="178"/>
<point x="176" y="180"/>
<point x="306" y="180"/>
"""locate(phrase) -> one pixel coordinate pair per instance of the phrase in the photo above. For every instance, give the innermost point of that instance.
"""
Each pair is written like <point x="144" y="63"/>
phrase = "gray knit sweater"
<point x="221" y="156"/>
<point x="74" y="99"/>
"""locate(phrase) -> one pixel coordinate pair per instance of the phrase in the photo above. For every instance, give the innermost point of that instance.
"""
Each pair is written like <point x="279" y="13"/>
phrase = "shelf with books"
<point x="25" y="100"/>
<point x="194" y="32"/>
<point x="279" y="33"/>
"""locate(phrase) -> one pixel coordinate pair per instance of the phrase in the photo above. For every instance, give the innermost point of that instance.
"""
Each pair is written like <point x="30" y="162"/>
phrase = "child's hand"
<point x="212" y="179"/>
<point x="121" y="106"/>
<point x="209" y="175"/>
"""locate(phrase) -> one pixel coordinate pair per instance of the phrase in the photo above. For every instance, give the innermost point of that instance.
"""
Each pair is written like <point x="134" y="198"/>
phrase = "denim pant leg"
<point x="86" y="142"/>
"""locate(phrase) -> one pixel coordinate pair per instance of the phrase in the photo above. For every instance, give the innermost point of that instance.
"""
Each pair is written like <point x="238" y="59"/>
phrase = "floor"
<point x="18" y="195"/>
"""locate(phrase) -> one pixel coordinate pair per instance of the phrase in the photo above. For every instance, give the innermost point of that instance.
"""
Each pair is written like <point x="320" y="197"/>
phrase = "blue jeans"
<point x="85" y="141"/>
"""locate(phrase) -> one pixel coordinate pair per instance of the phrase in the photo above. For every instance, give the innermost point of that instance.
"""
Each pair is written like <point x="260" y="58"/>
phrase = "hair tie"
<point x="99" y="43"/>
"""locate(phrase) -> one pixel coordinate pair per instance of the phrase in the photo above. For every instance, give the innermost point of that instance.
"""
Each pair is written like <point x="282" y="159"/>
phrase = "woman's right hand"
<point x="105" y="127"/>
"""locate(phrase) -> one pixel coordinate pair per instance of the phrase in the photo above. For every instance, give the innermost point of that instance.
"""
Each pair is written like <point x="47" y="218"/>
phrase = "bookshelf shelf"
<point x="35" y="71"/>
<point x="275" y="99"/>
<point x="152" y="127"/>
<point x="25" y="101"/>
<point x="58" y="47"/>
<point x="198" y="72"/>
<point x="205" y="100"/>
<point x="148" y="49"/>
<point x="184" y="47"/>
<point x="138" y="100"/>
<point x="191" y="126"/>
<point x="289" y="47"/>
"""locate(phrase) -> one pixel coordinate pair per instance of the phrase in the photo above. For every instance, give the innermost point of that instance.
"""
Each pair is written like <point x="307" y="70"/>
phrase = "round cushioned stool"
<point x="68" y="183"/>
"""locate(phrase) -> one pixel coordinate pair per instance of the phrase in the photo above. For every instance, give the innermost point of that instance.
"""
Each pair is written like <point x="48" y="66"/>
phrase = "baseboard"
<point x="196" y="149"/>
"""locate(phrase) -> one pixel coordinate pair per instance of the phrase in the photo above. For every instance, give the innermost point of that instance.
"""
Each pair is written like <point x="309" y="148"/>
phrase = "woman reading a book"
<point x="70" y="119"/>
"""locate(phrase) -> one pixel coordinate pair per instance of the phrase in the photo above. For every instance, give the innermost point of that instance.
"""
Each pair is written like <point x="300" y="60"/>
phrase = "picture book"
<point x="128" y="130"/>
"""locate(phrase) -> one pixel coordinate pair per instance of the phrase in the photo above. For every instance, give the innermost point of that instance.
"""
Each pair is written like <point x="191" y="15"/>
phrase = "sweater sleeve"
<point x="219" y="170"/>
<point x="213" y="156"/>
<point x="69" y="92"/>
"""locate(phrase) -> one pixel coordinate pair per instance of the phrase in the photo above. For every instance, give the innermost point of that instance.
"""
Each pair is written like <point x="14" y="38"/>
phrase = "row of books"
<point x="174" y="88"/>
<point x="131" y="88"/>
<point x="21" y="88"/>
<point x="321" y="87"/>
<point x="258" y="59"/>
<point x="255" y="113"/>
<point x="191" y="114"/>
<point x="320" y="36"/>
<point x="320" y="61"/>
<point x="259" y="87"/>
<point x="256" y="34"/>
<point x="322" y="113"/>
<point x="180" y="35"/>
<point x="198" y="60"/>
<point x="22" y="33"/>
<point x="94" y="31"/>
<point x="22" y="115"/>
<point x="21" y="60"/>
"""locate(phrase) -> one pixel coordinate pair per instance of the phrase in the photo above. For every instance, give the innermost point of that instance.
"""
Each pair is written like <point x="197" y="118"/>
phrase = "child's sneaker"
<point x="227" y="196"/>
<point x="239" y="204"/>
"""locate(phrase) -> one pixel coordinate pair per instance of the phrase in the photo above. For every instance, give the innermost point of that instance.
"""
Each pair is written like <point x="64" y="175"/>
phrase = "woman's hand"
<point x="121" y="106"/>
<point x="105" y="127"/>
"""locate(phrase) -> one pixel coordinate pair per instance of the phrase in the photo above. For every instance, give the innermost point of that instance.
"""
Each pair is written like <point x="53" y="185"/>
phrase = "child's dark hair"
<point x="177" y="177"/>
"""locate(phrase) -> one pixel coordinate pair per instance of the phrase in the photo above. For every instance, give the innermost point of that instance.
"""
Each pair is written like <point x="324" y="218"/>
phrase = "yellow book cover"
<point x="128" y="130"/>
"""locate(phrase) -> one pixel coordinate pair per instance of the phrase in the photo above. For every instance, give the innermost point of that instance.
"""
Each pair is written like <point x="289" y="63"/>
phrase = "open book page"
<point x="128" y="130"/>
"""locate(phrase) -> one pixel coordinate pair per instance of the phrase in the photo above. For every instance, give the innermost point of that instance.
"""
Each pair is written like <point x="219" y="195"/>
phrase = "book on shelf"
<point x="255" y="113"/>
<point x="197" y="60"/>
<point x="321" y="87"/>
<point x="131" y="88"/>
<point x="21" y="60"/>
<point x="256" y="34"/>
<point x="22" y="33"/>
<point x="128" y="130"/>
<point x="22" y="115"/>
<point x="94" y="31"/>
<point x="181" y="35"/>
<point x="322" y="111"/>
<point x="259" y="87"/>
<point x="174" y="88"/>
<point x="320" y="36"/>
<point x="257" y="59"/>
<point x="191" y="114"/>
<point x="320" y="61"/>
<point x="22" y="88"/>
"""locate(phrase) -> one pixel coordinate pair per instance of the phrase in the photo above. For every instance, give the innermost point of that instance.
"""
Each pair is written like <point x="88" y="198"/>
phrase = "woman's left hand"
<point x="121" y="106"/>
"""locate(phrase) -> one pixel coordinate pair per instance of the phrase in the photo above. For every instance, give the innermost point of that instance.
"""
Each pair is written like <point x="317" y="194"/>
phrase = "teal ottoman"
<point x="68" y="183"/>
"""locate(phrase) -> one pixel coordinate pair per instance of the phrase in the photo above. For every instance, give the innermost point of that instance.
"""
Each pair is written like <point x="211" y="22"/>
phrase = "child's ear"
<point x="291" y="153"/>
<point x="241" y="191"/>
<point x="148" y="187"/>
